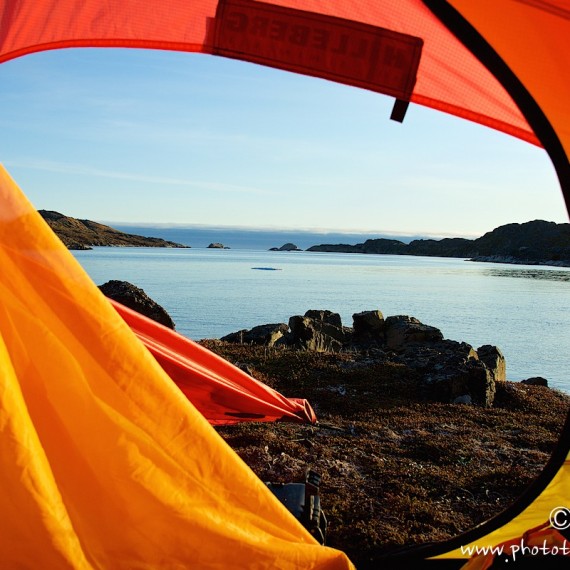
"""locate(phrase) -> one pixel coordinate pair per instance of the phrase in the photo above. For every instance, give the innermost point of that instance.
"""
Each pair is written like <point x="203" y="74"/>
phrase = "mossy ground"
<point x="396" y="470"/>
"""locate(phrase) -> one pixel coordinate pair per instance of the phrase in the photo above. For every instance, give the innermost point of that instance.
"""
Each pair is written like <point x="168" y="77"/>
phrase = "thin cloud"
<point x="442" y="185"/>
<point x="352" y="232"/>
<point x="167" y="131"/>
<point x="85" y="170"/>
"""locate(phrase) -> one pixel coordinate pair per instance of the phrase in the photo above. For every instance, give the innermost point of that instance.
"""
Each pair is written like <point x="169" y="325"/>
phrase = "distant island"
<point x="532" y="243"/>
<point x="286" y="247"/>
<point x="84" y="234"/>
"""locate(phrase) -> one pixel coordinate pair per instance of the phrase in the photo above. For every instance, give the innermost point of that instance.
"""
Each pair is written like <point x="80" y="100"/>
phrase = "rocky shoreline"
<point x="419" y="438"/>
<point x="84" y="234"/>
<point x="444" y="370"/>
<point x="532" y="243"/>
<point x="509" y="259"/>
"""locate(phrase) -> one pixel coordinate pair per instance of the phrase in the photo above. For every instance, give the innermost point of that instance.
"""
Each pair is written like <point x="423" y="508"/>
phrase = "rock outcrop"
<point x="217" y="245"/>
<point x="536" y="381"/>
<point x="402" y="330"/>
<point x="368" y="326"/>
<point x="494" y="360"/>
<point x="136" y="299"/>
<point x="450" y="371"/>
<point x="321" y="331"/>
<point x="85" y="234"/>
<point x="533" y="243"/>
<point x="267" y="335"/>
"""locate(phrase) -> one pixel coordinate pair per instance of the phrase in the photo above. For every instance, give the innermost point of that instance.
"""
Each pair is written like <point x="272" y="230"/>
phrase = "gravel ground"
<point x="396" y="470"/>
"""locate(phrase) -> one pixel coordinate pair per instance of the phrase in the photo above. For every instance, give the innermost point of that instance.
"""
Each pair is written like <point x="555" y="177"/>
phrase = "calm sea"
<point x="524" y="310"/>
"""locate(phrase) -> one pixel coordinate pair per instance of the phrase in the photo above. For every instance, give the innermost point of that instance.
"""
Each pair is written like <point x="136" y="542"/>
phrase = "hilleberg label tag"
<point x="318" y="45"/>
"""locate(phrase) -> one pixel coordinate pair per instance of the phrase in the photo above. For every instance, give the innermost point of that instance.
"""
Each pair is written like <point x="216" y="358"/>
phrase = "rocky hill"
<point x="84" y="234"/>
<point x="533" y="243"/>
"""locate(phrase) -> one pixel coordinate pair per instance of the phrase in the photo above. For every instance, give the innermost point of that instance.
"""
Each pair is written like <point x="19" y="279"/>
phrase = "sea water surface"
<point x="524" y="310"/>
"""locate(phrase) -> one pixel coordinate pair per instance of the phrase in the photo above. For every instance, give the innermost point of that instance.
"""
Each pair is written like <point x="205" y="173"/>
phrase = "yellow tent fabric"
<point x="554" y="496"/>
<point x="105" y="464"/>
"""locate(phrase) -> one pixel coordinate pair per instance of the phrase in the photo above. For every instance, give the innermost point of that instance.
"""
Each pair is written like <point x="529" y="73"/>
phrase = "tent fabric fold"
<point x="105" y="463"/>
<point x="220" y="391"/>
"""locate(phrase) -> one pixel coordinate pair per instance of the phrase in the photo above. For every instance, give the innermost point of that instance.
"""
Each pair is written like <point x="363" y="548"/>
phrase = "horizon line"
<point x="280" y="229"/>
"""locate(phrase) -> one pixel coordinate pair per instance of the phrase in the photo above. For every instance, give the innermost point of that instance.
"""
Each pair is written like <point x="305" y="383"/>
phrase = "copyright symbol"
<point x="560" y="518"/>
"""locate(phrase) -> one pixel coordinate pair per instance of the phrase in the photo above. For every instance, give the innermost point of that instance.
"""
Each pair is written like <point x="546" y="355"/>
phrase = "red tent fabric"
<point x="449" y="77"/>
<point x="223" y="393"/>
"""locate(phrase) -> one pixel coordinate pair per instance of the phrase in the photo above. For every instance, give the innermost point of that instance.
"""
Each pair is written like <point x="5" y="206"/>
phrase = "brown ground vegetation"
<point x="396" y="470"/>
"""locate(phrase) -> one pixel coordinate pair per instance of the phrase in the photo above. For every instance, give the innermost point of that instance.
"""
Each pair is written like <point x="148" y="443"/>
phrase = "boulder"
<point x="401" y="330"/>
<point x="441" y="357"/>
<point x="368" y="326"/>
<point x="465" y="399"/>
<point x="535" y="381"/>
<point x="470" y="383"/>
<point x="322" y="332"/>
<point x="494" y="361"/>
<point x="217" y="245"/>
<point x="266" y="335"/>
<point x="136" y="299"/>
<point x="325" y="316"/>
<point x="481" y="384"/>
<point x="450" y="371"/>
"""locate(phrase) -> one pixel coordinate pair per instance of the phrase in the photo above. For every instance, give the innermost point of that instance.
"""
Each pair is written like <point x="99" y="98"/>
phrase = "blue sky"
<point x="142" y="136"/>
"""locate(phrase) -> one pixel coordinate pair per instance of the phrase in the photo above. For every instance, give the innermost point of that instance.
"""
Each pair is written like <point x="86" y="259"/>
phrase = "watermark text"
<point x="518" y="550"/>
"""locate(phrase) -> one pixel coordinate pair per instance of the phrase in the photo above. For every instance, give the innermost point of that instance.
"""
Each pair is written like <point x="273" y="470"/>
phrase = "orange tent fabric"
<point x="536" y="50"/>
<point x="220" y="391"/>
<point x="104" y="462"/>
<point x="525" y="42"/>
